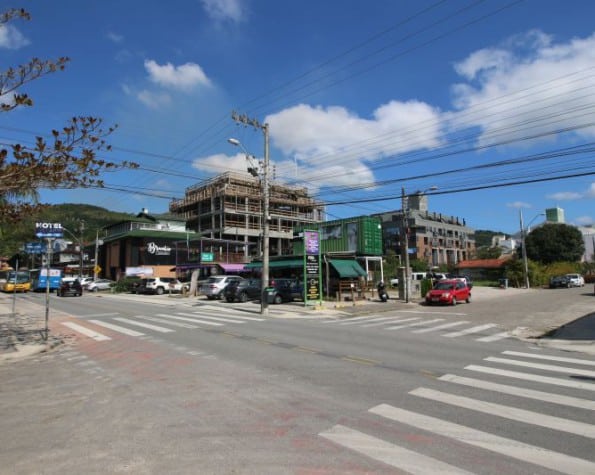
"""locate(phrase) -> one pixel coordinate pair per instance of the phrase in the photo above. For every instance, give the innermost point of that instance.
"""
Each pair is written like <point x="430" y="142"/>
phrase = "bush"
<point x="126" y="284"/>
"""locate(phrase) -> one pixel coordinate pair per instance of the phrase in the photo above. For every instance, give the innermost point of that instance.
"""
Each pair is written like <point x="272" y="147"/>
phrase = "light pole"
<point x="524" y="247"/>
<point x="80" y="243"/>
<point x="405" y="235"/>
<point x="264" y="309"/>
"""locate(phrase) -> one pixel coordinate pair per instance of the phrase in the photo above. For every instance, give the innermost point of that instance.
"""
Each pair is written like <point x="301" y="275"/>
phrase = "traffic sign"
<point x="35" y="247"/>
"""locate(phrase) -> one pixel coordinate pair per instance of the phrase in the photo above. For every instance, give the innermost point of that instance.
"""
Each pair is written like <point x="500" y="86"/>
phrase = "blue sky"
<point x="363" y="99"/>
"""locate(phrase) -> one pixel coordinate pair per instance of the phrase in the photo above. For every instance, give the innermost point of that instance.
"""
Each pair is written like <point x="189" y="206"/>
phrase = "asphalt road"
<point x="172" y="386"/>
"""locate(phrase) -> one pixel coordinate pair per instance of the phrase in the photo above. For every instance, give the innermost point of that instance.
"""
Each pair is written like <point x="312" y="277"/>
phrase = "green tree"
<point x="488" y="252"/>
<point x="555" y="242"/>
<point x="66" y="160"/>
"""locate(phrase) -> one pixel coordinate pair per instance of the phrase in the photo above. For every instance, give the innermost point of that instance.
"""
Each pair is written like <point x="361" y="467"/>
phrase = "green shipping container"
<point x="362" y="235"/>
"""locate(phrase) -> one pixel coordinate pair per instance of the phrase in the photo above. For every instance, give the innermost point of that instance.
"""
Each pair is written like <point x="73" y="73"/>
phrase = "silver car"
<point x="213" y="287"/>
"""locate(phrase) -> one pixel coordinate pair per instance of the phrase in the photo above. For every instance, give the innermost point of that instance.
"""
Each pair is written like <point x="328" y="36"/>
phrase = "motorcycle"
<point x="382" y="292"/>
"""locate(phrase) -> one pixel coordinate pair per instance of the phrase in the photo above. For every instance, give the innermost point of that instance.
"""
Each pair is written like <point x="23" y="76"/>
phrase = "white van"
<point x="420" y="275"/>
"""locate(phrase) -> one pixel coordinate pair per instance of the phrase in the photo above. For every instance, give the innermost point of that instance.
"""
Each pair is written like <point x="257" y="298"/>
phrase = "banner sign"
<point x="49" y="230"/>
<point x="207" y="257"/>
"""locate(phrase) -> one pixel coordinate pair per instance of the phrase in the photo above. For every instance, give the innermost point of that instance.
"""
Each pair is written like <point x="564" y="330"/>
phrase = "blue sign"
<point x="35" y="247"/>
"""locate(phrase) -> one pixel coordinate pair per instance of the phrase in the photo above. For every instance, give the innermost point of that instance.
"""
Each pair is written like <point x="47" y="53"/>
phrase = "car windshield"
<point x="214" y="280"/>
<point x="443" y="286"/>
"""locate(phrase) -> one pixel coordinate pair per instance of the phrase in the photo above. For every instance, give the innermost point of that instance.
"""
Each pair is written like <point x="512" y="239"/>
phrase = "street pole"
<point x="264" y="308"/>
<point x="405" y="241"/>
<point x="524" y="250"/>
<point x="81" y="250"/>
<point x="95" y="267"/>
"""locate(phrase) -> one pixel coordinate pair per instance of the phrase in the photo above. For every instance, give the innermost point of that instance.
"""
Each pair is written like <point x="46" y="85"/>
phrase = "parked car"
<point x="243" y="290"/>
<point x="558" y="281"/>
<point x="100" y="284"/>
<point x="154" y="285"/>
<point x="213" y="287"/>
<point x="576" y="280"/>
<point x="285" y="290"/>
<point x="449" y="291"/>
<point x="394" y="282"/>
<point x="176" y="287"/>
<point x="85" y="281"/>
<point x="69" y="287"/>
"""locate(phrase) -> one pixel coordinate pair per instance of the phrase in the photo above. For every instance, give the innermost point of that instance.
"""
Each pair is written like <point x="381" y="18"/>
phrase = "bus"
<point x="15" y="281"/>
<point x="39" y="279"/>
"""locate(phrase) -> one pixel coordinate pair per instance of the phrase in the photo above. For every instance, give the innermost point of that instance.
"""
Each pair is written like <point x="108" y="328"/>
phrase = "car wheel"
<point x="454" y="301"/>
<point x="159" y="291"/>
<point x="468" y="299"/>
<point x="243" y="297"/>
<point x="210" y="297"/>
<point x="229" y="299"/>
<point x="277" y="299"/>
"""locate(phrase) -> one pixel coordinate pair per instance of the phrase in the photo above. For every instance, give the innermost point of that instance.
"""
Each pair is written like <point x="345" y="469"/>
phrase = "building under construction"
<point x="230" y="207"/>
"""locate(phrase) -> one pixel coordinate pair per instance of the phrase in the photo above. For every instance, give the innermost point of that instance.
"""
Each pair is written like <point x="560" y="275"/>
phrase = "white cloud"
<point x="591" y="191"/>
<point x="184" y="77"/>
<point x="565" y="196"/>
<point x="221" y="162"/>
<point x="154" y="100"/>
<point x="527" y="80"/>
<point x="335" y="144"/>
<point x="12" y="38"/>
<point x="519" y="204"/>
<point x="221" y="10"/>
<point x="114" y="37"/>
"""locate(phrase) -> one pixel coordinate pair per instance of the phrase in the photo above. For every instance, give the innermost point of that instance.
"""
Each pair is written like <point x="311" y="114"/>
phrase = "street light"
<point x="80" y="243"/>
<point x="524" y="247"/>
<point x="253" y="170"/>
<point x="405" y="234"/>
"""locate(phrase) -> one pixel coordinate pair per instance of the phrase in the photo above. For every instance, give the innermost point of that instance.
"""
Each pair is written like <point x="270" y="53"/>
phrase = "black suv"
<point x="243" y="290"/>
<point x="70" y="287"/>
<point x="285" y="290"/>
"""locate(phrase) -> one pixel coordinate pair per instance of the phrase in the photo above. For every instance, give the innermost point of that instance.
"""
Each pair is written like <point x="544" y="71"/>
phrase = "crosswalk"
<point x="538" y="409"/>
<point x="160" y="323"/>
<point x="425" y="322"/>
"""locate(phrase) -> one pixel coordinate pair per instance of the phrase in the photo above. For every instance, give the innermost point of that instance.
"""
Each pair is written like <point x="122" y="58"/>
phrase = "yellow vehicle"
<point x="15" y="281"/>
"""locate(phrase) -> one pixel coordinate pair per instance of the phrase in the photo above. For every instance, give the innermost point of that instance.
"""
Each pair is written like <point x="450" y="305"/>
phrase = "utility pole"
<point x="81" y="250"/>
<point x="243" y="119"/>
<point x="405" y="240"/>
<point x="524" y="250"/>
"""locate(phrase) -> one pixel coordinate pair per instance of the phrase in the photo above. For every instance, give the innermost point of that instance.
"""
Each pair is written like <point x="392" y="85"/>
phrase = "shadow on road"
<point x="580" y="329"/>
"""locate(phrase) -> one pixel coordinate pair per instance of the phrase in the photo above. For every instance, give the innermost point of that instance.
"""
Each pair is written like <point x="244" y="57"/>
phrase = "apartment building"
<point x="433" y="237"/>
<point x="229" y="207"/>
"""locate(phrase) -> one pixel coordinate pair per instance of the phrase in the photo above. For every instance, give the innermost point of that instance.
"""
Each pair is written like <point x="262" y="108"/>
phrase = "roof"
<point x="151" y="233"/>
<point x="483" y="263"/>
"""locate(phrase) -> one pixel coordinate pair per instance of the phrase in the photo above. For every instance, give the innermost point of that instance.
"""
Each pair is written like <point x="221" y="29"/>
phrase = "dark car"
<point x="243" y="290"/>
<point x="559" y="281"/>
<point x="285" y="290"/>
<point x="70" y="287"/>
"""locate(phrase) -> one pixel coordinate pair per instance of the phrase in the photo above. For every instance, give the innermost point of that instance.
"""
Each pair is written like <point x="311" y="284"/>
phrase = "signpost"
<point x="48" y="231"/>
<point x="312" y="270"/>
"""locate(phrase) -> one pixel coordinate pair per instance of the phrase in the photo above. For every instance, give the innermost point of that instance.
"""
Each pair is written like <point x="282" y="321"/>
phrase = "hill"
<point x="73" y="217"/>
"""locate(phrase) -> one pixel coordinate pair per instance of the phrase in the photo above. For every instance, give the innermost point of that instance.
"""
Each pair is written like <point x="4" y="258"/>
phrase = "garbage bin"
<point x="503" y="283"/>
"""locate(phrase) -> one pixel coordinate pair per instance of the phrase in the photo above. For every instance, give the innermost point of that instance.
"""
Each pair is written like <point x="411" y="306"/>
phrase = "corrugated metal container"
<point x="362" y="235"/>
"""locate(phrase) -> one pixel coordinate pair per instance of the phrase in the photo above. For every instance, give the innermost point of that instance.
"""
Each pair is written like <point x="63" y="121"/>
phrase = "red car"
<point x="449" y="292"/>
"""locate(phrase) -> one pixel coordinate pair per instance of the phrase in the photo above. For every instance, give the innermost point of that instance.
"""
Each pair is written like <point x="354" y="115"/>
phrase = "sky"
<point x="487" y="105"/>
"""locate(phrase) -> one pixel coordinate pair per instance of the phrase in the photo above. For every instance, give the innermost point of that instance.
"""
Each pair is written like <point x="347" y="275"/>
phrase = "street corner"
<point x="19" y="352"/>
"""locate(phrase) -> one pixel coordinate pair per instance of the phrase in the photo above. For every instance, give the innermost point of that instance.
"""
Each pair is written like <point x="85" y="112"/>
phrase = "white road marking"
<point x="186" y="319"/>
<point x="217" y="319"/>
<point x="382" y="321"/>
<point x="168" y="322"/>
<point x="86" y="331"/>
<point x="508" y="412"/>
<point x="144" y="325"/>
<point x="355" y="320"/>
<point x="521" y="392"/>
<point x="501" y="445"/>
<point x="441" y="327"/>
<point x="533" y="377"/>
<point x="546" y="367"/>
<point x="550" y="358"/>
<point x="117" y="328"/>
<point x="416" y="324"/>
<point x="469" y="331"/>
<point x="390" y="454"/>
<point x="495" y="337"/>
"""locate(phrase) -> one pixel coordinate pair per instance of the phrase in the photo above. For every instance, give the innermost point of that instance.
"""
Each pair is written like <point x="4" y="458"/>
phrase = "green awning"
<point x="282" y="264"/>
<point x="348" y="268"/>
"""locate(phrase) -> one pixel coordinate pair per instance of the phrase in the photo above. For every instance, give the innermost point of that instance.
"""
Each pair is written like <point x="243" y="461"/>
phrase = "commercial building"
<point x="433" y="237"/>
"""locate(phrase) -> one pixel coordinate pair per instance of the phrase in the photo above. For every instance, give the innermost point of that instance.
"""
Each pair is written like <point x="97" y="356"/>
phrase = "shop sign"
<point x="153" y="248"/>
